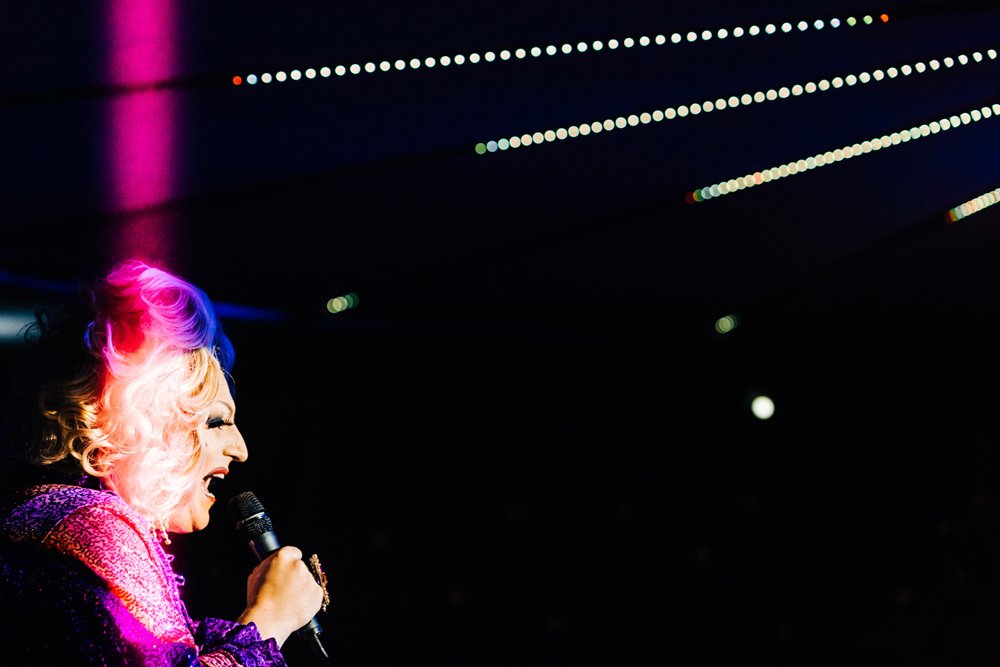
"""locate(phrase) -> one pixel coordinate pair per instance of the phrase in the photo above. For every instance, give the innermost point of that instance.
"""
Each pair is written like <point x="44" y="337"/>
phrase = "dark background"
<point x="528" y="444"/>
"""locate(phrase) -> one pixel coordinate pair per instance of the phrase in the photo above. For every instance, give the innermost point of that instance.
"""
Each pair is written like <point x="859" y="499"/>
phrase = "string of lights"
<point x="551" y="50"/>
<point x="827" y="158"/>
<point x="732" y="102"/>
<point x="975" y="205"/>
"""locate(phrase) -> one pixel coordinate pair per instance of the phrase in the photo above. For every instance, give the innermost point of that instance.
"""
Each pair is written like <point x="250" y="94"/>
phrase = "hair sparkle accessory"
<point x="320" y="576"/>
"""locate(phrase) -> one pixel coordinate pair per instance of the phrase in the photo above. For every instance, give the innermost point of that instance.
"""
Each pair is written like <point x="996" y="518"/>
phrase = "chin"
<point x="189" y="519"/>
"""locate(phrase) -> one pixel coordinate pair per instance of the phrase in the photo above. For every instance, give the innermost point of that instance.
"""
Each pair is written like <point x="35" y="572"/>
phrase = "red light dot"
<point x="689" y="197"/>
<point x="885" y="18"/>
<point x="237" y="80"/>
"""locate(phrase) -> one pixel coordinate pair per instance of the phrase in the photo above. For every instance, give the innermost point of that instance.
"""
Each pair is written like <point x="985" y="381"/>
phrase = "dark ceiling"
<point x="283" y="195"/>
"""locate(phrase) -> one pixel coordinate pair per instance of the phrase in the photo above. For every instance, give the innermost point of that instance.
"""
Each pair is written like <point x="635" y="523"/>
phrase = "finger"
<point x="289" y="553"/>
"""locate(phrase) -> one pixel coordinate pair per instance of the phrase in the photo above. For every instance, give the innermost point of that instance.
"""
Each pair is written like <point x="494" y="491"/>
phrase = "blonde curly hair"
<point x="130" y="414"/>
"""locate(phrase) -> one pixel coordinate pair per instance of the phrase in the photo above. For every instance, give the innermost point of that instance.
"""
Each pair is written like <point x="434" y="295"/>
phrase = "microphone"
<point x="249" y="516"/>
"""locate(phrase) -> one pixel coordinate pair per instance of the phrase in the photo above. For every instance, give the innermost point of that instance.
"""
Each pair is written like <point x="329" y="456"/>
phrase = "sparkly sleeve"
<point x="108" y="541"/>
<point x="229" y="643"/>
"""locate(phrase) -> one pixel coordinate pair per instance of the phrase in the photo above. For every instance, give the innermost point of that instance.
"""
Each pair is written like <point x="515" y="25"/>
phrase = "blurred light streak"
<point x="142" y="132"/>
<point x="732" y="102"/>
<point x="974" y="205"/>
<point x="844" y="153"/>
<point x="553" y="50"/>
<point x="12" y="323"/>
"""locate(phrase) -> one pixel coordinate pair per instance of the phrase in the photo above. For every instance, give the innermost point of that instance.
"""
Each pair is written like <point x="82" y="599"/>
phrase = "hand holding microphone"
<point x="283" y="596"/>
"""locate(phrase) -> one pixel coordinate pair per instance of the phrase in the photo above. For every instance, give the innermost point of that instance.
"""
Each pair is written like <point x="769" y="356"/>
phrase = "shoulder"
<point x="41" y="509"/>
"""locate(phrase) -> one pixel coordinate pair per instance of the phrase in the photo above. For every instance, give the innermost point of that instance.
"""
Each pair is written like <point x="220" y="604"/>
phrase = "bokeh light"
<point x="762" y="407"/>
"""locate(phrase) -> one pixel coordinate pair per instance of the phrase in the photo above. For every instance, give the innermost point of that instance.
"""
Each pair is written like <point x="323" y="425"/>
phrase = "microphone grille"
<point x="248" y="512"/>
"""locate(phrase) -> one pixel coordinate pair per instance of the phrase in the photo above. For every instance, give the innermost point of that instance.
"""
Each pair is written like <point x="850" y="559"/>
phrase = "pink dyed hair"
<point x="132" y="416"/>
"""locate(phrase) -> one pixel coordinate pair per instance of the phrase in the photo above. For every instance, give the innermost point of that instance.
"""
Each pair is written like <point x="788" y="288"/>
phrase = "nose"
<point x="236" y="446"/>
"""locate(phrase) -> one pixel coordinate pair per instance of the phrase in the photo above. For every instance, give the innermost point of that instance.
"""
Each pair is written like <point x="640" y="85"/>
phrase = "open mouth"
<point x="211" y="479"/>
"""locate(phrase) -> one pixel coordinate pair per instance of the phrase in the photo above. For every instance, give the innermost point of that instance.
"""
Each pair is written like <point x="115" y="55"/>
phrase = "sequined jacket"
<point x="86" y="583"/>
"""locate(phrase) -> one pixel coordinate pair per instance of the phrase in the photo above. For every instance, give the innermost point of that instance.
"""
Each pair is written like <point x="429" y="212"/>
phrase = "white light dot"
<point x="369" y="67"/>
<point x="561" y="133"/>
<point x="644" y="41"/>
<point x="695" y="109"/>
<point x="661" y="40"/>
<point x="551" y="50"/>
<point x="834" y="23"/>
<point x="949" y="62"/>
<point x="754" y="31"/>
<point x="818" y="24"/>
<point x="251" y="79"/>
<point x="797" y="90"/>
<point x="692" y="36"/>
<point x="762" y="407"/>
<point x="473" y="58"/>
<point x="597" y="46"/>
<point x="415" y="63"/>
<point x="520" y="53"/>
<point x="489" y="56"/>
<point x="706" y="34"/>
<point x="295" y="74"/>
<point x="505" y="55"/>
<point x="851" y="79"/>
<point x="280" y="76"/>
<point x="581" y="47"/>
<point x="892" y="72"/>
<point x="759" y="97"/>
<point x="445" y="61"/>
<point x="310" y="73"/>
<point x="770" y="29"/>
<point x="567" y="48"/>
<point x="324" y="72"/>
<point x="658" y="116"/>
<point x="550" y="135"/>
<point x="737" y="32"/>
<point x="574" y="131"/>
<point x="538" y="137"/>
<point x="675" y="38"/>
<point x="669" y="114"/>
<point x="430" y="62"/>
<point x="864" y="77"/>
<point x="786" y="27"/>
<point x="628" y="42"/>
<point x="722" y="33"/>
<point x="734" y="101"/>
<point x="355" y="68"/>
<point x="535" y="51"/>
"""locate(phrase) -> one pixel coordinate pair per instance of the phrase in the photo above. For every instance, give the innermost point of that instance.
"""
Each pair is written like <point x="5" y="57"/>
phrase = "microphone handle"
<point x="264" y="545"/>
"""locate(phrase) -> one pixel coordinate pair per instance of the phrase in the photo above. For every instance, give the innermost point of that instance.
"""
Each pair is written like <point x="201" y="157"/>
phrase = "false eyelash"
<point x="218" y="422"/>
